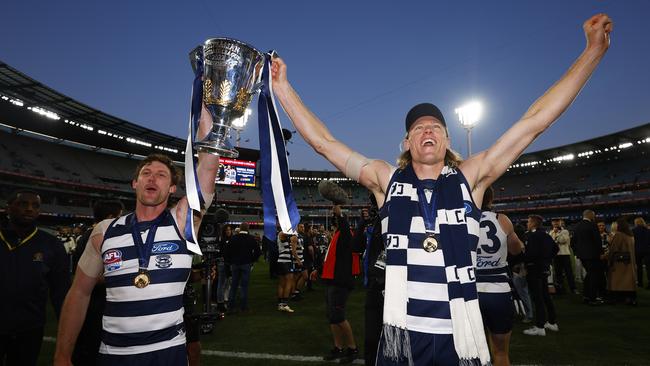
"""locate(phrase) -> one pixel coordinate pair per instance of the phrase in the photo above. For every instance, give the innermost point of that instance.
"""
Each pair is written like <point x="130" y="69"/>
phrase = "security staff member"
<point x="32" y="264"/>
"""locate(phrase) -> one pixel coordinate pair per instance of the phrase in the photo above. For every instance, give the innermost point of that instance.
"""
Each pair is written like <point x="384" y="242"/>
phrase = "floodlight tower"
<point x="469" y="115"/>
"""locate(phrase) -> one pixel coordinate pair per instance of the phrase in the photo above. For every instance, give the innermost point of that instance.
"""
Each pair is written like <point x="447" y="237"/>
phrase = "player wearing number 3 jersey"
<point x="497" y="238"/>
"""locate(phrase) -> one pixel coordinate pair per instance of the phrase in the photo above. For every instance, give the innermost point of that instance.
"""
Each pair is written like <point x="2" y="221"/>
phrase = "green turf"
<point x="605" y="335"/>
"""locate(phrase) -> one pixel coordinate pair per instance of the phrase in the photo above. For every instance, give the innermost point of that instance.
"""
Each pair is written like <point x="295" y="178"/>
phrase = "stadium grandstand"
<point x="74" y="154"/>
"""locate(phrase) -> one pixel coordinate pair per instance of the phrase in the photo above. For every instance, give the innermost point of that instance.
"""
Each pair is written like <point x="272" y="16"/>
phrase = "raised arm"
<point x="484" y="168"/>
<point x="206" y="170"/>
<point x="372" y="174"/>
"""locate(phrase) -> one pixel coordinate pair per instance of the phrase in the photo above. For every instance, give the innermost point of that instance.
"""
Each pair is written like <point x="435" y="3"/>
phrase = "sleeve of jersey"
<point x="91" y="261"/>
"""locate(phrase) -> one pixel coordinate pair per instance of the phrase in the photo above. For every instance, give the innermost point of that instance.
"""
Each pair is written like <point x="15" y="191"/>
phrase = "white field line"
<point x="262" y="356"/>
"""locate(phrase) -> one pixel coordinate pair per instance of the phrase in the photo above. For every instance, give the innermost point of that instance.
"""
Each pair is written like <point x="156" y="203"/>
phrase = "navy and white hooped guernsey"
<point x="149" y="319"/>
<point x="491" y="256"/>
<point x="428" y="295"/>
<point x="284" y="250"/>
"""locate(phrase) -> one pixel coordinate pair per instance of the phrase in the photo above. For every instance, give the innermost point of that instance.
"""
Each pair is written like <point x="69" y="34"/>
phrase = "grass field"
<point x="604" y="335"/>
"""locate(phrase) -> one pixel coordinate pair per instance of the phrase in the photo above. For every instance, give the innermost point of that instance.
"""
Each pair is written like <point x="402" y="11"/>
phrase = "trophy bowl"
<point x="232" y="73"/>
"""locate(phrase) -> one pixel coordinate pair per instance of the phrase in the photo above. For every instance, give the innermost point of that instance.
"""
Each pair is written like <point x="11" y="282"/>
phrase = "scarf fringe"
<point x="397" y="343"/>
<point x="472" y="362"/>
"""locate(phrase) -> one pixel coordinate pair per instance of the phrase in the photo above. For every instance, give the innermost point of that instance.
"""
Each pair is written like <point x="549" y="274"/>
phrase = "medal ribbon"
<point x="144" y="249"/>
<point x="427" y="209"/>
<point x="193" y="189"/>
<point x="277" y="193"/>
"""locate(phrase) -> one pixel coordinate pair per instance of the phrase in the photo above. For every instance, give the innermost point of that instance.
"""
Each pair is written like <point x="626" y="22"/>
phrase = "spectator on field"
<point x="589" y="250"/>
<point x="562" y="261"/>
<point x="242" y="251"/>
<point x="223" y="269"/>
<point x="539" y="253"/>
<point x="641" y="250"/>
<point x="621" y="260"/>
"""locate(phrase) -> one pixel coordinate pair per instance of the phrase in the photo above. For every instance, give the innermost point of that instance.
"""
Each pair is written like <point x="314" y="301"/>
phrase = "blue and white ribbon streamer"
<point x="192" y="187"/>
<point x="277" y="194"/>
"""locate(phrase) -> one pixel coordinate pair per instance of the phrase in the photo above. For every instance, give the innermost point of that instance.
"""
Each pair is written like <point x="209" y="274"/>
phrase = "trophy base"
<point x="216" y="150"/>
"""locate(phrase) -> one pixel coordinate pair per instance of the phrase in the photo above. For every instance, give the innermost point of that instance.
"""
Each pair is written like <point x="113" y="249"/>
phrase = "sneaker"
<point x="527" y="320"/>
<point x="334" y="354"/>
<point x="285" y="308"/>
<point x="535" y="331"/>
<point x="349" y="355"/>
<point x="552" y="327"/>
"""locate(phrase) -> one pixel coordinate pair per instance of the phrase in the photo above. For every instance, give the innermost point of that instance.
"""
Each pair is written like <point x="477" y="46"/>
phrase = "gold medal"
<point x="142" y="280"/>
<point x="430" y="244"/>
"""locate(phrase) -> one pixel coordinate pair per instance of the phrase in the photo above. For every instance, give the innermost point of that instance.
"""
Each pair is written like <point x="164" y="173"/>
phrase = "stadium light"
<point x="469" y="115"/>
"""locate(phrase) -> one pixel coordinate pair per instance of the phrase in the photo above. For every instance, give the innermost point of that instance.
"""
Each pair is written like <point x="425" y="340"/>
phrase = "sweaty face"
<point x="24" y="209"/>
<point x="427" y="141"/>
<point x="154" y="184"/>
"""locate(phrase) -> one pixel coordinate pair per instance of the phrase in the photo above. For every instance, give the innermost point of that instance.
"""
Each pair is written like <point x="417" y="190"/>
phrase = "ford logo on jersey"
<point x="166" y="247"/>
<point x="468" y="207"/>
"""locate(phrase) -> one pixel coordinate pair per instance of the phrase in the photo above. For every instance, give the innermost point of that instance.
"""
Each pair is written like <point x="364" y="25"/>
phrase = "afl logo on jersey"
<point x="112" y="260"/>
<point x="165" y="247"/>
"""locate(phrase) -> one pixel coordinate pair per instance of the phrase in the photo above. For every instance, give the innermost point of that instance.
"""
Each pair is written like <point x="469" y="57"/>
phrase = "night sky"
<point x="359" y="65"/>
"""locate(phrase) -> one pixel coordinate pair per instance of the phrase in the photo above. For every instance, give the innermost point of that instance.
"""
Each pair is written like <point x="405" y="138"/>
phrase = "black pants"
<point x="21" y="349"/>
<point x="538" y="288"/>
<point x="595" y="282"/>
<point x="374" y="311"/>
<point x="562" y="266"/>
<point x="640" y="259"/>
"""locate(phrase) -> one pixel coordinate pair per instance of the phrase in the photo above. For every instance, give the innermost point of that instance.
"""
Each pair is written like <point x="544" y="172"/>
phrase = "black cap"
<point x="422" y="110"/>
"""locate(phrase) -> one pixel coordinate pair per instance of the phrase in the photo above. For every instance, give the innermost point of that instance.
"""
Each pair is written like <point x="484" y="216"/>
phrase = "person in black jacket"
<point x="242" y="251"/>
<point x="641" y="250"/>
<point x="32" y="264"/>
<point x="589" y="249"/>
<point x="337" y="275"/>
<point x="539" y="253"/>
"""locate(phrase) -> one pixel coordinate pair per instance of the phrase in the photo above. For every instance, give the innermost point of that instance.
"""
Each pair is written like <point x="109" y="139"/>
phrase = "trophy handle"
<point x="194" y="56"/>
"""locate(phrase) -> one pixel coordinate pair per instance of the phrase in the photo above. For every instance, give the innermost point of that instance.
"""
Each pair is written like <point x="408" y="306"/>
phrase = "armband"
<point x="354" y="164"/>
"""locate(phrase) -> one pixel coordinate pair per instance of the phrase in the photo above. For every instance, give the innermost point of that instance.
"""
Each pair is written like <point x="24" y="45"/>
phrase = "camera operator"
<point x="194" y="322"/>
<point x="367" y="239"/>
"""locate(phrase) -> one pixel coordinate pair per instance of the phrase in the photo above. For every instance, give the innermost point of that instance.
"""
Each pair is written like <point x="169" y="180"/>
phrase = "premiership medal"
<point x="142" y="280"/>
<point x="430" y="244"/>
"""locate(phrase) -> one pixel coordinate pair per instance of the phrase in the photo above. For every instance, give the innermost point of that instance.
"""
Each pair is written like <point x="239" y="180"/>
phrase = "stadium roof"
<point x="22" y="91"/>
<point x="103" y="130"/>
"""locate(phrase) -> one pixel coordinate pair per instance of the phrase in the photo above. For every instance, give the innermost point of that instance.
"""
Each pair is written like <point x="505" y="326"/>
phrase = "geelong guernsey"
<point x="284" y="250"/>
<point x="491" y="255"/>
<point x="428" y="308"/>
<point x="139" y="320"/>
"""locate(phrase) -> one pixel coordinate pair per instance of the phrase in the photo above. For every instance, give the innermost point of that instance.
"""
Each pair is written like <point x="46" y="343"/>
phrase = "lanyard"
<point x="427" y="209"/>
<point x="144" y="249"/>
<point x="23" y="241"/>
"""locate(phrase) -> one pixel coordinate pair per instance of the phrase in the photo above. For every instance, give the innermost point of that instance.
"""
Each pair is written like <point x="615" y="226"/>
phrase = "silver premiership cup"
<point x="232" y="73"/>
